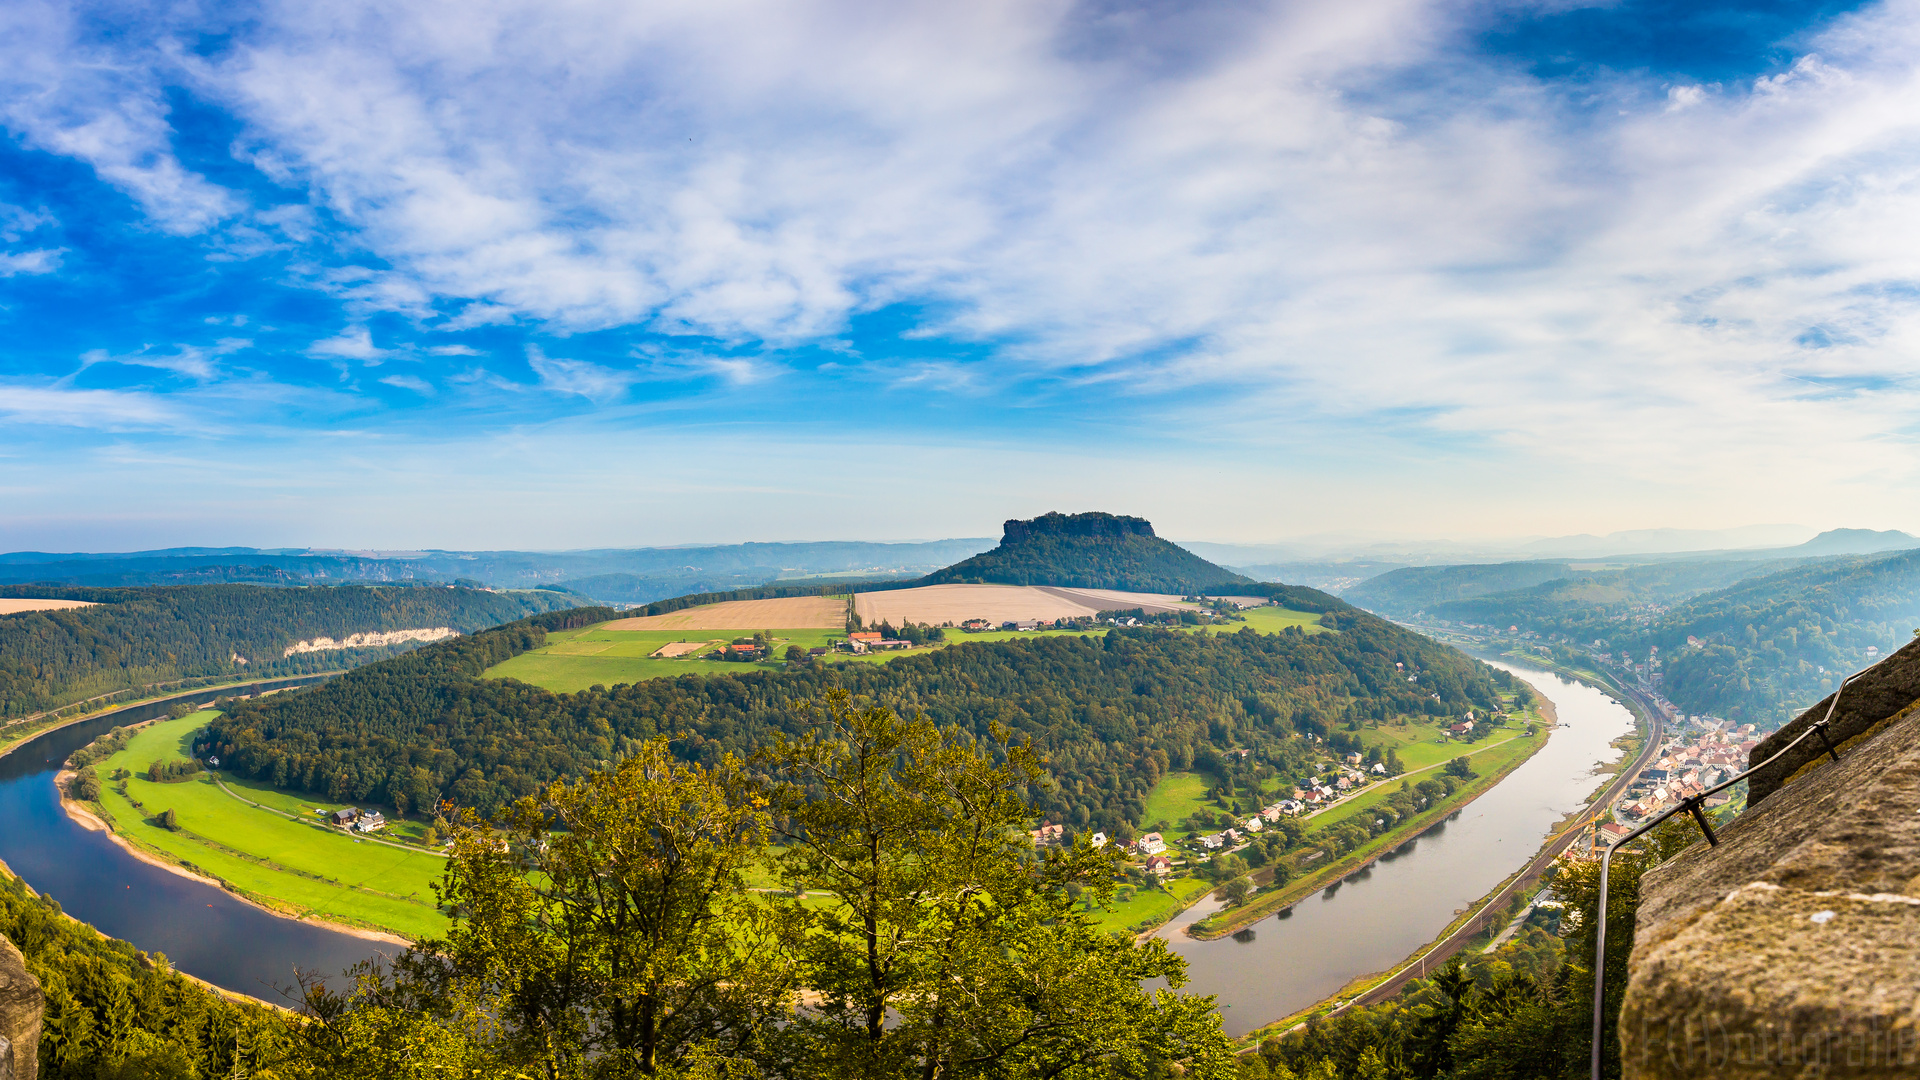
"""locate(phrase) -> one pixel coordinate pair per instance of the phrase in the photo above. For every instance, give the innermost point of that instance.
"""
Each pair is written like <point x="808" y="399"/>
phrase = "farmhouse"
<point x="345" y="817"/>
<point x="371" y="821"/>
<point x="1150" y="844"/>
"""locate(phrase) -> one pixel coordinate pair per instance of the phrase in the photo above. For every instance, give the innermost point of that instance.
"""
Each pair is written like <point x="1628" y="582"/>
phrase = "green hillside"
<point x="141" y="636"/>
<point x="1090" y="551"/>
<point x="1113" y="713"/>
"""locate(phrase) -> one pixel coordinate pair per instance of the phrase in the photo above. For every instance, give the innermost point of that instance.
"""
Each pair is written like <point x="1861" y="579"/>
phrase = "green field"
<point x="1487" y="758"/>
<point x="299" y="866"/>
<point x="1145" y="906"/>
<point x="1173" y="799"/>
<point x="1271" y="620"/>
<point x="575" y="660"/>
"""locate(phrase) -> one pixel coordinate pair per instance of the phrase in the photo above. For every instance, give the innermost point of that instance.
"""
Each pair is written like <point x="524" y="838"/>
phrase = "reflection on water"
<point x="1377" y="917"/>
<point x="1243" y="936"/>
<point x="203" y="930"/>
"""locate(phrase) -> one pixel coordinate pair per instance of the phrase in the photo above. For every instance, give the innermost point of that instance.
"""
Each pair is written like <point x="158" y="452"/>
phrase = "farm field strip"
<point x="17" y="604"/>
<point x="936" y="605"/>
<point x="813" y="612"/>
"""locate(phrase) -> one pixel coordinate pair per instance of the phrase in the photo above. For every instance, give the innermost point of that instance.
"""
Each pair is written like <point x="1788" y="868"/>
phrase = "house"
<point x="1289" y="806"/>
<point x="1254" y="824"/>
<point x="886" y="644"/>
<point x="1354" y="759"/>
<point x="865" y="635"/>
<point x="1150" y="844"/>
<point x="1342" y="784"/>
<point x="345" y="817"/>
<point x="1098" y="840"/>
<point x="1273" y="813"/>
<point x="1213" y="842"/>
<point x="1379" y="768"/>
<point x="1159" y="864"/>
<point x="974" y="626"/>
<point x="371" y="821"/>
<point x="1611" y="832"/>
<point x="1048" y="835"/>
<point x="1233" y="836"/>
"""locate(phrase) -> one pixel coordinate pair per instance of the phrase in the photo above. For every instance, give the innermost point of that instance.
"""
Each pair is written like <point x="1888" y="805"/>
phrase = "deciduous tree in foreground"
<point x="605" y="929"/>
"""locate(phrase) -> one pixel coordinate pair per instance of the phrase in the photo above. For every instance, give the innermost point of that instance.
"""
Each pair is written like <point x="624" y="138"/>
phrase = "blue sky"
<point x="587" y="274"/>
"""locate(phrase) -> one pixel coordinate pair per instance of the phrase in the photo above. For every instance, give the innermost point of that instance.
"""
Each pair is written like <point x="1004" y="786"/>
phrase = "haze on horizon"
<point x="512" y="275"/>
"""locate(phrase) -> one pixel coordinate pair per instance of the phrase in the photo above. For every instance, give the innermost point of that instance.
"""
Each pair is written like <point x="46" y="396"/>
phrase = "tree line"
<point x="137" y="637"/>
<point x="1111" y="713"/>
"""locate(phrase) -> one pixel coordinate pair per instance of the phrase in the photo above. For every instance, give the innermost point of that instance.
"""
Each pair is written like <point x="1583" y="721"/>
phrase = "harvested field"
<point x="938" y="604"/>
<point x="797" y="612"/>
<point x="682" y="648"/>
<point x="15" y="605"/>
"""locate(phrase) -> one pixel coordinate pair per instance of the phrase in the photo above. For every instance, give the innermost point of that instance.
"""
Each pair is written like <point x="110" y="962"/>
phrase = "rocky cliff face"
<point x="1085" y="525"/>
<point x="21" y="1007"/>
<point x="1793" y="948"/>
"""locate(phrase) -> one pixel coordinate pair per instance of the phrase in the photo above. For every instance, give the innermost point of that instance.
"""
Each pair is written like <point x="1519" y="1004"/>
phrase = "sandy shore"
<point x="88" y="820"/>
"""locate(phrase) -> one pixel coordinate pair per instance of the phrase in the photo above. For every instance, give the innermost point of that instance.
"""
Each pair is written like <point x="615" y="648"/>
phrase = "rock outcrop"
<point x="1793" y="948"/>
<point x="21" y="1008"/>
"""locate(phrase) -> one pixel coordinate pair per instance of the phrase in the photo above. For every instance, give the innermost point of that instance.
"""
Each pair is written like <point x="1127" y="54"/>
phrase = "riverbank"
<point x="54" y="720"/>
<point x="1232" y="920"/>
<point x="288" y="866"/>
<point x="1475" y="919"/>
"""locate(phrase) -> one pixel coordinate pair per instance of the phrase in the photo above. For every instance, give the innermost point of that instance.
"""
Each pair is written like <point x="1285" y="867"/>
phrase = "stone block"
<point x="1793" y="948"/>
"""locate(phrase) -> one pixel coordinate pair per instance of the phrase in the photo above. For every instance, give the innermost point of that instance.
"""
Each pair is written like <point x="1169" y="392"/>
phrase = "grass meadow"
<point x="299" y="866"/>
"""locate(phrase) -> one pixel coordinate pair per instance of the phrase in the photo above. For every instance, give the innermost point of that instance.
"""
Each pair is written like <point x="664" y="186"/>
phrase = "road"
<point x="1458" y="940"/>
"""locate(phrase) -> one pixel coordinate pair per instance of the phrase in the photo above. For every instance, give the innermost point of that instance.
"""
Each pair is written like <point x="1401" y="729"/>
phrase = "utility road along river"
<point x="1378" y="918"/>
<point x="203" y="930"/>
<point x="1368" y="923"/>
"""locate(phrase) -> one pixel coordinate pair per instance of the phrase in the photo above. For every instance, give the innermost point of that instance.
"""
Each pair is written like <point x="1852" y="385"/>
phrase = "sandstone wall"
<point x="21" y="1007"/>
<point x="1793" y="948"/>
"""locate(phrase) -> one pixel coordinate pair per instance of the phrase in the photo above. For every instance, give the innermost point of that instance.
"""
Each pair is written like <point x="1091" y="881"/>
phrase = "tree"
<point x="1235" y="892"/>
<point x="1461" y="768"/>
<point x="796" y="653"/>
<point x="610" y="921"/>
<point x="952" y="950"/>
<point x="167" y="820"/>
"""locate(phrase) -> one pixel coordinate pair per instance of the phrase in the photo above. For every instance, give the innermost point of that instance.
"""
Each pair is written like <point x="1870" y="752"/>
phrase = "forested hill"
<point x="1112" y="712"/>
<point x="132" y="638"/>
<point x="1090" y="551"/>
<point x="1765" y="641"/>
<point x="1769" y="637"/>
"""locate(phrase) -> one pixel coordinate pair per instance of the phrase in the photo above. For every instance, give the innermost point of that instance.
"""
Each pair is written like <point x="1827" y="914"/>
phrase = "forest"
<point x="137" y="637"/>
<point x="113" y="1012"/>
<point x="1111" y="714"/>
<point x="1768" y="638"/>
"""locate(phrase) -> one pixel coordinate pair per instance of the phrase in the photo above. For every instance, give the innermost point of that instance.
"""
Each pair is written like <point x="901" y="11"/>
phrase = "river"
<point x="205" y="931"/>
<point x="1367" y="923"/>
<point x="1380" y="916"/>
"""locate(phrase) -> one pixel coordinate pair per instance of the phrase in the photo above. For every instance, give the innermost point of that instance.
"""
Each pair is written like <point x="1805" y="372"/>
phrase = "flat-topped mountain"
<point x="1090" y="551"/>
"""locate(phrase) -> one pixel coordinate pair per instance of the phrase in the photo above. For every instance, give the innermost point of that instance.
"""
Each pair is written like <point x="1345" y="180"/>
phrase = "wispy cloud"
<point x="578" y="377"/>
<point x="102" y="409"/>
<point x="410" y="382"/>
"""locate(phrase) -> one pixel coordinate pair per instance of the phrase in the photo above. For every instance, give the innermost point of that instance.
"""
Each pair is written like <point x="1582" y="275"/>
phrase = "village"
<point x="1701" y="752"/>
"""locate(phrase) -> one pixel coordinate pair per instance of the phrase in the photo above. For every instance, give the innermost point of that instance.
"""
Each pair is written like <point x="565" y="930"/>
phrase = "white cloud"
<point x="103" y="104"/>
<point x="40" y="261"/>
<point x="410" y="382"/>
<point x="66" y="407"/>
<point x="578" y="377"/>
<point x="353" y="343"/>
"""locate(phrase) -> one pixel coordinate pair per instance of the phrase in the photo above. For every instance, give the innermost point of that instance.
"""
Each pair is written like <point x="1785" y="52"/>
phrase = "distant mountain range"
<point x="632" y="575"/>
<point x="1090" y="551"/>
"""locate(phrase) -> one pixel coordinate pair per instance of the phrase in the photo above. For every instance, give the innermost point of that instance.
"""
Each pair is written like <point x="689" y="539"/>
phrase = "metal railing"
<point x="1692" y="805"/>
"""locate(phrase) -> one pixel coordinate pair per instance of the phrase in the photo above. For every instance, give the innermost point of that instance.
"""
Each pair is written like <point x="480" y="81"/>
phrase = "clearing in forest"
<point x="14" y="605"/>
<point x="937" y="605"/>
